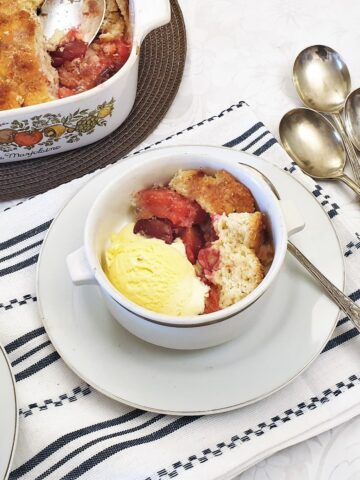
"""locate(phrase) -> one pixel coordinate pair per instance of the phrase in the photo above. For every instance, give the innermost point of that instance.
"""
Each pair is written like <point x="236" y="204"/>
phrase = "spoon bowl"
<point x="323" y="82"/>
<point x="61" y="16"/>
<point x="313" y="143"/>
<point x="321" y="79"/>
<point x="352" y="117"/>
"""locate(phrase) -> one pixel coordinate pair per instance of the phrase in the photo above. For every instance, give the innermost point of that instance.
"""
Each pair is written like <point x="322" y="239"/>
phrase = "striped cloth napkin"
<point x="68" y="430"/>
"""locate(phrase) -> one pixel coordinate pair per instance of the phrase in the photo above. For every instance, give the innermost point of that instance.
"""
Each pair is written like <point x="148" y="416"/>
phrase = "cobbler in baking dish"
<point x="33" y="71"/>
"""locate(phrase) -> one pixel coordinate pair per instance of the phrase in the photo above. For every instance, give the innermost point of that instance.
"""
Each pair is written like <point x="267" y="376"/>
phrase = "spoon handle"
<point x="353" y="158"/>
<point x="342" y="301"/>
<point x="350" y="183"/>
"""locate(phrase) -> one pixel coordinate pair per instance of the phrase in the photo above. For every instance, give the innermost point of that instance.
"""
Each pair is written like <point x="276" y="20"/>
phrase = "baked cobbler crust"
<point x="26" y="74"/>
<point x="30" y="4"/>
<point x="217" y="193"/>
<point x="114" y="23"/>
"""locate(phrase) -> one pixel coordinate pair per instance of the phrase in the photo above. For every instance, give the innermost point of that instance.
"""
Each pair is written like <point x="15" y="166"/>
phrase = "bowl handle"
<point x="293" y="218"/>
<point x="79" y="268"/>
<point x="149" y="14"/>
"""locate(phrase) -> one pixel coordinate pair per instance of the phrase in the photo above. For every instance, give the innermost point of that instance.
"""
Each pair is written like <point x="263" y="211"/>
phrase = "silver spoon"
<point x="61" y="16"/>
<point x="323" y="83"/>
<point x="315" y="145"/>
<point x="340" y="299"/>
<point x="352" y="117"/>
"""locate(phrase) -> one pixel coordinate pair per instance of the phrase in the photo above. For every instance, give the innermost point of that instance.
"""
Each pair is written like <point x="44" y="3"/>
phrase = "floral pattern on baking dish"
<point x="46" y="130"/>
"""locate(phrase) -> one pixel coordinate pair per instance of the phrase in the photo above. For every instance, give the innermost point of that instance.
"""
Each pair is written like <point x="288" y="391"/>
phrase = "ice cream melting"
<point x="153" y="274"/>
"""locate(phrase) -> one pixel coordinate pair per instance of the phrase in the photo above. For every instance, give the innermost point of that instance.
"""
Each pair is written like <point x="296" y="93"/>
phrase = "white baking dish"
<point x="76" y="121"/>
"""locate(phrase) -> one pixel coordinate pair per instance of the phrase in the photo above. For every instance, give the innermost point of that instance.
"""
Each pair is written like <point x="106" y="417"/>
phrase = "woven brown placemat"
<point x="161" y="67"/>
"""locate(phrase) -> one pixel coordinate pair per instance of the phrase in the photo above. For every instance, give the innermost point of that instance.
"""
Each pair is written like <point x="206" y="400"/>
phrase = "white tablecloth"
<point x="245" y="49"/>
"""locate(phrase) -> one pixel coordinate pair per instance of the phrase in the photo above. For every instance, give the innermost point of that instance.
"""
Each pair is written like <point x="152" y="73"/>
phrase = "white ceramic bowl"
<point x="111" y="211"/>
<point x="76" y="121"/>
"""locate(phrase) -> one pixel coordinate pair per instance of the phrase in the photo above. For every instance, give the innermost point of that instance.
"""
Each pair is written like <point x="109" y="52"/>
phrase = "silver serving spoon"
<point x="340" y="299"/>
<point x="352" y="117"/>
<point x="315" y="145"/>
<point x="61" y="16"/>
<point x="323" y="83"/>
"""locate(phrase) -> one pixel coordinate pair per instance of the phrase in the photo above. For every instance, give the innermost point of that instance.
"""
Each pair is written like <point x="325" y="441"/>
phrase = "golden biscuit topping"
<point x="26" y="75"/>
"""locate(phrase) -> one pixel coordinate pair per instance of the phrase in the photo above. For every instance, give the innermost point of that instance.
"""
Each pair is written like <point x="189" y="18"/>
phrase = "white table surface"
<point x="244" y="50"/>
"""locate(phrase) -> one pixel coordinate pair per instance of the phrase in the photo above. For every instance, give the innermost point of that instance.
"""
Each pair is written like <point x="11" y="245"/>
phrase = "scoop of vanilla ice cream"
<point x="153" y="274"/>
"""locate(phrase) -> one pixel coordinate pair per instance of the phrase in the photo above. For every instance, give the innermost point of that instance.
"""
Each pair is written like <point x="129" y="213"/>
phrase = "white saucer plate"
<point x="8" y="416"/>
<point x="294" y="326"/>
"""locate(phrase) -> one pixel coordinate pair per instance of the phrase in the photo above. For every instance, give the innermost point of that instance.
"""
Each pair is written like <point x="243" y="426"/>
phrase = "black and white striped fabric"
<point x="69" y="431"/>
